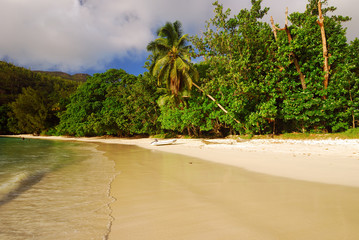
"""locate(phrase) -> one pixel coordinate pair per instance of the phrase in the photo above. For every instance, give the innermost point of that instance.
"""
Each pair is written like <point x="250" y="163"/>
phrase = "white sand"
<point x="324" y="161"/>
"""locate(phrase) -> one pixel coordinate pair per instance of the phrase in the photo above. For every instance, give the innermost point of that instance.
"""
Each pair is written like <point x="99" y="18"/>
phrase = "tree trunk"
<point x="274" y="28"/>
<point x="214" y="100"/>
<point x="301" y="75"/>
<point x="353" y="117"/>
<point x="295" y="59"/>
<point x="326" y="67"/>
<point x="351" y="99"/>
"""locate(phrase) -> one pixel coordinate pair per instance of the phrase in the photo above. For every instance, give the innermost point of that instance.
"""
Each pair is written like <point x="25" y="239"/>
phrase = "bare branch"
<point x="326" y="66"/>
<point x="295" y="59"/>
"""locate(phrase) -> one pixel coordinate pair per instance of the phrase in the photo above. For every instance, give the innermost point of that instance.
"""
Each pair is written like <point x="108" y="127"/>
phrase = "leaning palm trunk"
<point x="214" y="100"/>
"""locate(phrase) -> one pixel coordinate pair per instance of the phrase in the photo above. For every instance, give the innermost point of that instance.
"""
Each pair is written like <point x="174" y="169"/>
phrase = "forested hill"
<point x="13" y="79"/>
<point x="78" y="77"/>
<point x="31" y="101"/>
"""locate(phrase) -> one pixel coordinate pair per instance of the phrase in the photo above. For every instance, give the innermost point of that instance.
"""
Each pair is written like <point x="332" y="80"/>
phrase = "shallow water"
<point x="53" y="190"/>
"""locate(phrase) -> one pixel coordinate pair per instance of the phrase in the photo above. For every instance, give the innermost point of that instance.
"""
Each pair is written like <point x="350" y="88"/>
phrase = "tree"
<point x="171" y="64"/>
<point x="353" y="80"/>
<point x="294" y="80"/>
<point x="171" y="59"/>
<point x="320" y="48"/>
<point x="82" y="116"/>
<point x="112" y="103"/>
<point x="239" y="56"/>
<point x="4" y="118"/>
<point x="31" y="111"/>
<point x="19" y="109"/>
<point x="130" y="107"/>
<point x="289" y="35"/>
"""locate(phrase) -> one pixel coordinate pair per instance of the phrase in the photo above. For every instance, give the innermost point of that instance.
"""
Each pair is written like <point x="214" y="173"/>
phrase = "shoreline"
<point x="323" y="161"/>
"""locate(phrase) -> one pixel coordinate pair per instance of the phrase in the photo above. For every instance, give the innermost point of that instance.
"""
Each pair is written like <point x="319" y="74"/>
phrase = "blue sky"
<point x="91" y="36"/>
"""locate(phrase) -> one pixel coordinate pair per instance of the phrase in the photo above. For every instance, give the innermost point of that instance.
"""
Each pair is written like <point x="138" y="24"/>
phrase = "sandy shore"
<point x="323" y="161"/>
<point x="161" y="194"/>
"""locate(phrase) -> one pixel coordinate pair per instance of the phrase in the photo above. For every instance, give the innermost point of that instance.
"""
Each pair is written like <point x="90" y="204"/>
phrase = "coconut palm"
<point x="171" y="62"/>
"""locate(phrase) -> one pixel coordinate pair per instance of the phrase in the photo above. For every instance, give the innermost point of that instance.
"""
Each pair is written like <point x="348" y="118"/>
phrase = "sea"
<point x="54" y="190"/>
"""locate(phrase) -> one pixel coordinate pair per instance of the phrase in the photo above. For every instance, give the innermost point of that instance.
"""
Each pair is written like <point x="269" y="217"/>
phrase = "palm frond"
<point x="164" y="76"/>
<point x="151" y="46"/>
<point x="187" y="84"/>
<point x="182" y="42"/>
<point x="175" y="81"/>
<point x="168" y="32"/>
<point x="161" y="62"/>
<point x="159" y="45"/>
<point x="165" y="99"/>
<point x="153" y="60"/>
<point x="181" y="64"/>
<point x="177" y="25"/>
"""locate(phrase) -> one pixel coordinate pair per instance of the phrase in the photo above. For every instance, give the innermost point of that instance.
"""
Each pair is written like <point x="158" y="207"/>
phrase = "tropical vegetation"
<point x="30" y="101"/>
<point x="250" y="77"/>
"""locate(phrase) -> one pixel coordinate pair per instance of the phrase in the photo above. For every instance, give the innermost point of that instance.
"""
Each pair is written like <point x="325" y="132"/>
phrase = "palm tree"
<point x="171" y="61"/>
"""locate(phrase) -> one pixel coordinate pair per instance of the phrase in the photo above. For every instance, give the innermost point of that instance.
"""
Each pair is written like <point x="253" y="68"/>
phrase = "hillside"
<point x="31" y="101"/>
<point x="13" y="79"/>
<point x="78" y="77"/>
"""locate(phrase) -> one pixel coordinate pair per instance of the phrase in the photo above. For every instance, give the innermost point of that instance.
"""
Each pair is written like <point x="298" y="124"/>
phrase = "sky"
<point x="91" y="36"/>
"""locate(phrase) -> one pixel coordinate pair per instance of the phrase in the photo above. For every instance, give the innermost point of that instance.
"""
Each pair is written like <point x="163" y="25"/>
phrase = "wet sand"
<point x="312" y="191"/>
<point x="170" y="196"/>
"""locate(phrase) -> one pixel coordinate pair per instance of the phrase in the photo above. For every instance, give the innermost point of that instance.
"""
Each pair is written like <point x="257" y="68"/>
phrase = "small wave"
<point x="18" y="184"/>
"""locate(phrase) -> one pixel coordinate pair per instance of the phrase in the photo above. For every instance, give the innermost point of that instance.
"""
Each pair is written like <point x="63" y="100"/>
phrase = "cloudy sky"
<point x="91" y="35"/>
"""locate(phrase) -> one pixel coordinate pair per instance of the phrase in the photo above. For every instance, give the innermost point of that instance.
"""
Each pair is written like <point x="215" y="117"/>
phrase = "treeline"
<point x="112" y="103"/>
<point x="274" y="79"/>
<point x="252" y="78"/>
<point x="30" y="101"/>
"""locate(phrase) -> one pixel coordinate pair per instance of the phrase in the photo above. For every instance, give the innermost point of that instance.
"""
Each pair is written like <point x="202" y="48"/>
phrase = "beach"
<point x="323" y="161"/>
<point x="226" y="189"/>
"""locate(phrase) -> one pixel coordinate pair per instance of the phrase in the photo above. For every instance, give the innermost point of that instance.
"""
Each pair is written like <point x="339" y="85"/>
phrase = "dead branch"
<point x="295" y="59"/>
<point x="324" y="43"/>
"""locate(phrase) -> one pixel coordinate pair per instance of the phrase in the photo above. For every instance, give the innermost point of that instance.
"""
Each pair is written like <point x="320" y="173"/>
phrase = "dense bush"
<point x="29" y="101"/>
<point x="112" y="103"/>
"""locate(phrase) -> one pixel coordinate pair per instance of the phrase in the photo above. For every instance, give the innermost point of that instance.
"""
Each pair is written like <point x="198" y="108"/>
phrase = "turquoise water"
<point x="54" y="190"/>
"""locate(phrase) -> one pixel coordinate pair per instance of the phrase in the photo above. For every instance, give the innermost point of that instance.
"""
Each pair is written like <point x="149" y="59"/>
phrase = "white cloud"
<point x="344" y="8"/>
<point x="64" y="34"/>
<point x="73" y="35"/>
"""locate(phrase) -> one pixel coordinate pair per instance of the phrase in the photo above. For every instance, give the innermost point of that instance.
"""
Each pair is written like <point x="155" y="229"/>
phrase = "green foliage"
<point x="316" y="108"/>
<point x="254" y="75"/>
<point x="36" y="110"/>
<point x="352" y="133"/>
<point x="12" y="80"/>
<point x="30" y="101"/>
<point x="4" y="118"/>
<point x="31" y="112"/>
<point x="112" y="103"/>
<point x="171" y="61"/>
<point x="238" y="53"/>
